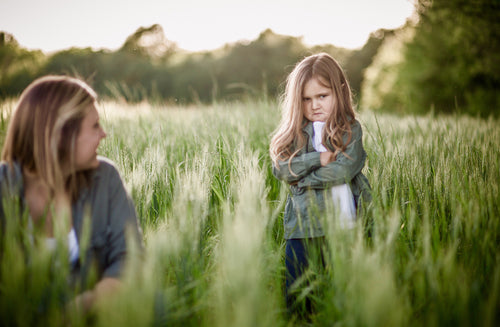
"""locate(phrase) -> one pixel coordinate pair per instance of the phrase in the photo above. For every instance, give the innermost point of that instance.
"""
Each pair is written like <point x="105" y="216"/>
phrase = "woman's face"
<point x="317" y="100"/>
<point x="87" y="141"/>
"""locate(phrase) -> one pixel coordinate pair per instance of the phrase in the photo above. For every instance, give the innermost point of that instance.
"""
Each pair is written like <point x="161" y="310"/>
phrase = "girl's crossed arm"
<point x="292" y="171"/>
<point x="347" y="165"/>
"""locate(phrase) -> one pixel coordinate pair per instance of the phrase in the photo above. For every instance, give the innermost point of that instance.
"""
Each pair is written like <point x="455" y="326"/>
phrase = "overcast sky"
<point x="196" y="25"/>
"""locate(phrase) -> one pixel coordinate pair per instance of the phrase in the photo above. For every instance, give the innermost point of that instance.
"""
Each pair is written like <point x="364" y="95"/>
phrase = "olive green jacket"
<point x="309" y="181"/>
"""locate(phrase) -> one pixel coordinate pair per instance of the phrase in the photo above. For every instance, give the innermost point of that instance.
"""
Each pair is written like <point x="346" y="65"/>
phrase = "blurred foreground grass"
<point x="426" y="254"/>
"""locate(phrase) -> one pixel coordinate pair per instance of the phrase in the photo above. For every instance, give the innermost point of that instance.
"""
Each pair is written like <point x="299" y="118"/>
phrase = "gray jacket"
<point x="111" y="212"/>
<point x="310" y="179"/>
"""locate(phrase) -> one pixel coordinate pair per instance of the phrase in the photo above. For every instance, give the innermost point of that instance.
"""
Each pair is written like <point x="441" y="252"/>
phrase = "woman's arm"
<point x="122" y="223"/>
<point x="116" y="211"/>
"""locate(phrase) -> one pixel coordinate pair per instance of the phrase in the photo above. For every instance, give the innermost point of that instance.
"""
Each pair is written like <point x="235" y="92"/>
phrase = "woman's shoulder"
<point x="106" y="163"/>
<point x="105" y="177"/>
<point x="107" y="168"/>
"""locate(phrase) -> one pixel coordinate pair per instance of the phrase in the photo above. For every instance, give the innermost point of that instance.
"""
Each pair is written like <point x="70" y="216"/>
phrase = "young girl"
<point x="317" y="93"/>
<point x="50" y="169"/>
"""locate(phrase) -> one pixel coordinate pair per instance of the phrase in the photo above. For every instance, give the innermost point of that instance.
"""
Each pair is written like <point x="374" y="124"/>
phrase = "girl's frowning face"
<point x="87" y="141"/>
<point x="317" y="100"/>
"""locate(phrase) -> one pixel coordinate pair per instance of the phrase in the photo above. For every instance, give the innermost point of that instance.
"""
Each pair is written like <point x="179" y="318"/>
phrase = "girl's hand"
<point x="327" y="157"/>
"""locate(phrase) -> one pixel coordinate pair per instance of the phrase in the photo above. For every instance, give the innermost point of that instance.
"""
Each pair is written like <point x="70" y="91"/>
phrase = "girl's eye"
<point x="306" y="99"/>
<point x="322" y="96"/>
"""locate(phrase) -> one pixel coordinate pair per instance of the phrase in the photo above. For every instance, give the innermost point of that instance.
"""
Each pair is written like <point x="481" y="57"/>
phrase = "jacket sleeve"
<point x="342" y="170"/>
<point x="122" y="223"/>
<point x="300" y="165"/>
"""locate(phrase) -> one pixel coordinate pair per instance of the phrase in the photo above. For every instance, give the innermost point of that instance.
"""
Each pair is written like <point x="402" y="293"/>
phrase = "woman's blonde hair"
<point x="42" y="132"/>
<point x="288" y="139"/>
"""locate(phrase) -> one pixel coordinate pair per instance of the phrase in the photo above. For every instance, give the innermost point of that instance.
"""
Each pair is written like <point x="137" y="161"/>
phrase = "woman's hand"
<point x="327" y="157"/>
<point x="87" y="299"/>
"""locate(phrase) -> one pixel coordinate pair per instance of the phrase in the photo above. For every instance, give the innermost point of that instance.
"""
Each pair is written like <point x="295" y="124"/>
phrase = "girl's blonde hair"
<point x="288" y="139"/>
<point x="44" y="127"/>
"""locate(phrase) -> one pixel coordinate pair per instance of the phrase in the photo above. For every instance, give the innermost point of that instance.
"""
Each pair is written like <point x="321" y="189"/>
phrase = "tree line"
<point x="445" y="60"/>
<point x="136" y="72"/>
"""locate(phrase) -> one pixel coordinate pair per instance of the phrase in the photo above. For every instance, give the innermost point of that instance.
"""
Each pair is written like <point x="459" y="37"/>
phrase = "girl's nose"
<point x="315" y="103"/>
<point x="103" y="133"/>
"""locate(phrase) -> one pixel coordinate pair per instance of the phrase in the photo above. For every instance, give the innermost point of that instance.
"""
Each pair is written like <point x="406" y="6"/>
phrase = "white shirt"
<point x="73" y="248"/>
<point x="342" y="197"/>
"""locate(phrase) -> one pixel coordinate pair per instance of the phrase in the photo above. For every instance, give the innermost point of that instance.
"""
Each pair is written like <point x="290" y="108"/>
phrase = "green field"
<point x="425" y="254"/>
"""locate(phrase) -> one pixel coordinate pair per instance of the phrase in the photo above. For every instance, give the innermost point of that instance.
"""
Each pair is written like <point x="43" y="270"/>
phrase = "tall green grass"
<point x="423" y="254"/>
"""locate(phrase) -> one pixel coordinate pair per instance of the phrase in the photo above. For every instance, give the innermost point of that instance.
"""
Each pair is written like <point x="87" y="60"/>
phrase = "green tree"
<point x="452" y="64"/>
<point x="18" y="66"/>
<point x="359" y="60"/>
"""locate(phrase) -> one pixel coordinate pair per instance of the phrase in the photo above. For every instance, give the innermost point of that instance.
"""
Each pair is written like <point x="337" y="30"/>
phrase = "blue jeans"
<point x="298" y="256"/>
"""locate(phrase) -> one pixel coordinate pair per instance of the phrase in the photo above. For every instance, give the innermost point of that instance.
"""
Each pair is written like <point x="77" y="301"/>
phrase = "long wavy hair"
<point x="43" y="130"/>
<point x="288" y="139"/>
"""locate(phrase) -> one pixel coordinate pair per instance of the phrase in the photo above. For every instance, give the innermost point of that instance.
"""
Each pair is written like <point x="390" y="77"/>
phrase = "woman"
<point x="51" y="168"/>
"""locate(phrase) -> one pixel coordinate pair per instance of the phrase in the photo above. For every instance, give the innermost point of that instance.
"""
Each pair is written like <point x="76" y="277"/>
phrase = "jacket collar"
<point x="308" y="129"/>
